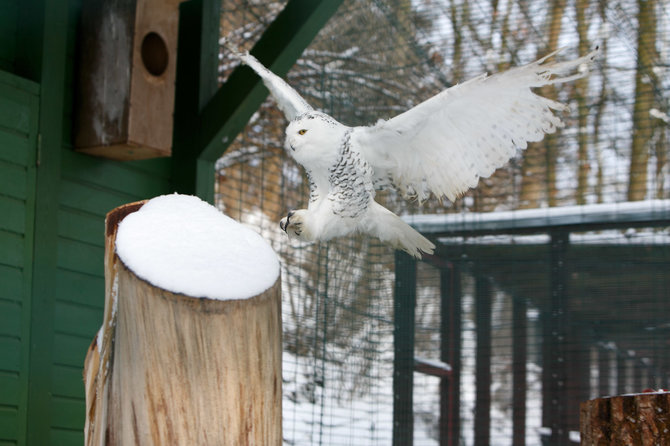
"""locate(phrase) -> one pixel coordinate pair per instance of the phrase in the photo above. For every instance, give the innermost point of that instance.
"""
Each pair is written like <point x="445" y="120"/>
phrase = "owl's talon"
<point x="294" y="226"/>
<point x="286" y="221"/>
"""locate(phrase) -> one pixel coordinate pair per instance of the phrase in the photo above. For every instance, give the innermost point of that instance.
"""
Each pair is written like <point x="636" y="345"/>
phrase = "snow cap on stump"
<point x="186" y="246"/>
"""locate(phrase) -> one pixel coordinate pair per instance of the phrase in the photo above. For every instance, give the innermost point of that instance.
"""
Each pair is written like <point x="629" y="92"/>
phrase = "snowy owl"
<point x="441" y="146"/>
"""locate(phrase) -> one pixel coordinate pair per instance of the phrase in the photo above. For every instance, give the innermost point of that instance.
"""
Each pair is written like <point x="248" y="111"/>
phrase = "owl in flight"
<point x="441" y="146"/>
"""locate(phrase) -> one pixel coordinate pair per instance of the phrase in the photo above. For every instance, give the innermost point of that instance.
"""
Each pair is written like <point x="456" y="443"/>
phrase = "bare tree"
<point x="580" y="96"/>
<point x="645" y="82"/>
<point x="539" y="165"/>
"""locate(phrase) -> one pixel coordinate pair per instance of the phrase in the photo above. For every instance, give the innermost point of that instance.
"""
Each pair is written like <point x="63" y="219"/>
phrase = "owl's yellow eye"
<point x="302" y="131"/>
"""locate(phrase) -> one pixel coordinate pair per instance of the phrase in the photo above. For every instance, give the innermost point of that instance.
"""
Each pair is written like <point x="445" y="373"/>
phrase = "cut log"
<point x="171" y="369"/>
<point x="635" y="419"/>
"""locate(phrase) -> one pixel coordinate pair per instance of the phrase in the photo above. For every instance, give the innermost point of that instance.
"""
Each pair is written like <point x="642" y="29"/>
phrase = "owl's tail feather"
<point x="391" y="229"/>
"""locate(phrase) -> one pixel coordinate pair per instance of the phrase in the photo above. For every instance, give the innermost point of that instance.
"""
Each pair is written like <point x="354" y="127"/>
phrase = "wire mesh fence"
<point x="377" y="58"/>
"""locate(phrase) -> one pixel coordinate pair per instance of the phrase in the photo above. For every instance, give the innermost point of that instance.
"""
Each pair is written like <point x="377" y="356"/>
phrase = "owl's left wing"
<point x="445" y="144"/>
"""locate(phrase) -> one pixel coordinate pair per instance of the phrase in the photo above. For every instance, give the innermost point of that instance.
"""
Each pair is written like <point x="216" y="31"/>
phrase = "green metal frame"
<point x="403" y="357"/>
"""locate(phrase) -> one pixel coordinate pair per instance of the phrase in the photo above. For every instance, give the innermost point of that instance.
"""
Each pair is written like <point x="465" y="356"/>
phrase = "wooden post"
<point x="635" y="419"/>
<point x="168" y="368"/>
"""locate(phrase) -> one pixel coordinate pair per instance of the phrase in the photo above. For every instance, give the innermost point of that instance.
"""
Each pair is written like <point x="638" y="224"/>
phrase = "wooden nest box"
<point x="126" y="78"/>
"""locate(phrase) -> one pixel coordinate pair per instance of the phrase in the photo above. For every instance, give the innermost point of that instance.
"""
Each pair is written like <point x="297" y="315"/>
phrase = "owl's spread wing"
<point x="288" y="100"/>
<point x="448" y="142"/>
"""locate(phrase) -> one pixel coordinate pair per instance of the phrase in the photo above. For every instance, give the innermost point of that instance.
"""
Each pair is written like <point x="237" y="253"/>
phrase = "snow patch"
<point x="184" y="245"/>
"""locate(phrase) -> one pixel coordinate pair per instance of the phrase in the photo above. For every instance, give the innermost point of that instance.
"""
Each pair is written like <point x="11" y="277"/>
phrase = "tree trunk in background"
<point x="169" y="369"/>
<point x="661" y="160"/>
<point x="580" y="95"/>
<point x="538" y="180"/>
<point x="645" y="81"/>
<point x="599" y="110"/>
<point x="456" y="15"/>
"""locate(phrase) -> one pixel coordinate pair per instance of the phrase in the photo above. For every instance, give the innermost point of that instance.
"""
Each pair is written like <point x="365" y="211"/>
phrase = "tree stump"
<point x="635" y="419"/>
<point x="171" y="369"/>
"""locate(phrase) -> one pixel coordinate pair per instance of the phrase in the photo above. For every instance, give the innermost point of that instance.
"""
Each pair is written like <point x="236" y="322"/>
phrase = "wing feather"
<point x="288" y="100"/>
<point x="445" y="144"/>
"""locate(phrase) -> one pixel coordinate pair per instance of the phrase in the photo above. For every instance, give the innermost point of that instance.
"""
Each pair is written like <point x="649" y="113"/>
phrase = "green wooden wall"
<point x="53" y="203"/>
<point x="19" y="108"/>
<point x="87" y="189"/>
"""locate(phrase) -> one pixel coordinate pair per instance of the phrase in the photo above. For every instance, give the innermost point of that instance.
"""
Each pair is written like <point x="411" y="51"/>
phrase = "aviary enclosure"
<point x="550" y="283"/>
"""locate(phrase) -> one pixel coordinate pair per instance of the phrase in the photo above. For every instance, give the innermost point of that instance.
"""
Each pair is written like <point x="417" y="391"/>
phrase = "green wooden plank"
<point x="69" y="350"/>
<point x="82" y="257"/>
<point x="12" y="215"/>
<point x="68" y="413"/>
<point x="44" y="42"/>
<point x="8" y="423"/>
<point x="10" y="319"/>
<point x="9" y="389"/>
<point x="76" y="319"/>
<point x="197" y="73"/>
<point x="76" y="287"/>
<point x="97" y="201"/>
<point x="10" y="359"/>
<point x="20" y="83"/>
<point x="15" y="148"/>
<point x="68" y="436"/>
<point x="81" y="226"/>
<point x="29" y="235"/>
<point x="11" y="249"/>
<point x="15" y="111"/>
<point x="159" y="168"/>
<point x="67" y="381"/>
<point x="13" y="180"/>
<point x="111" y="175"/>
<point x="11" y="279"/>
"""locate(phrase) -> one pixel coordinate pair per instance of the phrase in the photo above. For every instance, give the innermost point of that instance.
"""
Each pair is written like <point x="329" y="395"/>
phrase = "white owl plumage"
<point x="442" y="146"/>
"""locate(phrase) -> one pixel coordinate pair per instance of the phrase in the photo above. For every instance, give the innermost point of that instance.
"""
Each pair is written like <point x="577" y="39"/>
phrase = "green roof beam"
<point x="224" y="117"/>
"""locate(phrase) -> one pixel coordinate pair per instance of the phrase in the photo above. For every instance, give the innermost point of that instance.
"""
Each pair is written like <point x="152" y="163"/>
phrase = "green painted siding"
<point x="90" y="187"/>
<point x="19" y="103"/>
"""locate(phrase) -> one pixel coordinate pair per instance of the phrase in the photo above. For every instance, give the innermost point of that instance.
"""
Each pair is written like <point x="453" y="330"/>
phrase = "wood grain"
<point x="172" y="369"/>
<point x="635" y="419"/>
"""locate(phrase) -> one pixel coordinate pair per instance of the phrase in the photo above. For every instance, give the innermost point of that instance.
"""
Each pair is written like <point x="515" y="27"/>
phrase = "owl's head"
<point x="314" y="138"/>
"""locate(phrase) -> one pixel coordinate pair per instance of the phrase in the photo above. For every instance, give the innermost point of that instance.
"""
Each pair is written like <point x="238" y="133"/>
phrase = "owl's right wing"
<point x="288" y="100"/>
<point x="445" y="144"/>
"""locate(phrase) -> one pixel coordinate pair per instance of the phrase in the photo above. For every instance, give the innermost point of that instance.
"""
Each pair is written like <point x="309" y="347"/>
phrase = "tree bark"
<point x="580" y="96"/>
<point x="645" y="82"/>
<point x="636" y="419"/>
<point x="538" y="181"/>
<point x="167" y="368"/>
